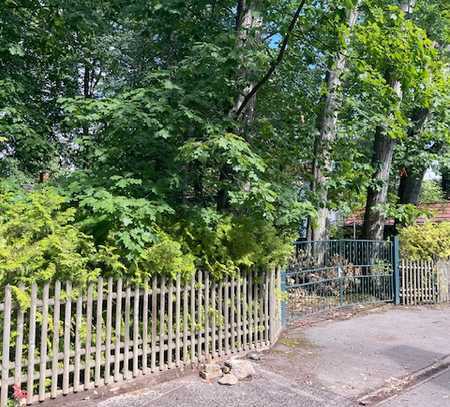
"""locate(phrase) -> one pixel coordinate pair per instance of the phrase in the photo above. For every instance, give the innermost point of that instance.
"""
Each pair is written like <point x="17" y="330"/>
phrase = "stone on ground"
<point x="240" y="368"/>
<point x="228" y="379"/>
<point x="210" y="371"/>
<point x="254" y="356"/>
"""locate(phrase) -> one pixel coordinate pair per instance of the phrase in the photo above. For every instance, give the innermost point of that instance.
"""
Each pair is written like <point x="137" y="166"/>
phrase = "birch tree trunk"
<point x="323" y="163"/>
<point x="248" y="25"/>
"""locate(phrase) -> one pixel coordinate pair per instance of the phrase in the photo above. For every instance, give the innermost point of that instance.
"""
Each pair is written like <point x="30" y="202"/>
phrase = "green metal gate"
<point x="335" y="273"/>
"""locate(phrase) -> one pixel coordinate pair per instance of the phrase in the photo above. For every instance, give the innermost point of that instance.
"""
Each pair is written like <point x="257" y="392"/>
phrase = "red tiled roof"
<point x="440" y="213"/>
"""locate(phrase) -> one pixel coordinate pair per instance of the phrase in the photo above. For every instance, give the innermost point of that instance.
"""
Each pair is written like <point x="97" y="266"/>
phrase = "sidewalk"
<point x="327" y="363"/>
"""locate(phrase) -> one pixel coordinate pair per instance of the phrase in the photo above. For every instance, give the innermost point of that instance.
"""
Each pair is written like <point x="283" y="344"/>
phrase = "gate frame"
<point x="395" y="280"/>
<point x="396" y="269"/>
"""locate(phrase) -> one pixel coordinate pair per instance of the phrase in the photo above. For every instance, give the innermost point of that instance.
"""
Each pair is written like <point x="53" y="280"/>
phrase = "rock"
<point x="210" y="371"/>
<point x="254" y="356"/>
<point x="240" y="368"/>
<point x="228" y="379"/>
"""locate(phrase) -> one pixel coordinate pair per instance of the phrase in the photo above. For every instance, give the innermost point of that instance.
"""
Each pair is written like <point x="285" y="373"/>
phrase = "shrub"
<point x="426" y="241"/>
<point x="39" y="242"/>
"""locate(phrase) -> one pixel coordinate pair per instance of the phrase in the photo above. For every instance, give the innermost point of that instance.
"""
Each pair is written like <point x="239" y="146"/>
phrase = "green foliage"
<point x="38" y="241"/>
<point x="426" y="241"/>
<point x="431" y="192"/>
<point x="390" y="47"/>
<point x="129" y="108"/>
<point x="406" y="214"/>
<point x="165" y="258"/>
<point x="110" y="214"/>
<point x="223" y="244"/>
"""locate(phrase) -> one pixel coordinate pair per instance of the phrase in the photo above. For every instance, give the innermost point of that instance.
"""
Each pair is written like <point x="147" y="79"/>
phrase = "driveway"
<point x="329" y="362"/>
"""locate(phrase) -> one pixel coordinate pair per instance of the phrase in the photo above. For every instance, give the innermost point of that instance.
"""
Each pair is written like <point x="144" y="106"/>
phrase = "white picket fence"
<point x="68" y="341"/>
<point x="424" y="282"/>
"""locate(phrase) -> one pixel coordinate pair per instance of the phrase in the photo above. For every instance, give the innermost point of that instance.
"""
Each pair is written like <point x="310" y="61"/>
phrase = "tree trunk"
<point x="383" y="152"/>
<point x="248" y="25"/>
<point x="374" y="216"/>
<point x="326" y="136"/>
<point x="412" y="178"/>
<point x="446" y="182"/>
<point x="410" y="186"/>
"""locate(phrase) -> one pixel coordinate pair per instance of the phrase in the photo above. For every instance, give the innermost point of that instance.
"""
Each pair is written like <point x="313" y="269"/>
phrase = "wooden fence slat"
<point x="222" y="317"/>
<point x="98" y="332"/>
<point x="67" y="326"/>
<point x="266" y="308"/>
<point x="256" y="313"/>
<point x="31" y="344"/>
<point x="206" y="313"/>
<point x="415" y="271"/>
<point x="226" y="314"/>
<point x="19" y="344"/>
<point x="118" y="330"/>
<point x="199" y="316"/>
<point x="213" y="319"/>
<point x="136" y="330"/>
<point x="245" y="318"/>
<point x="126" y="346"/>
<point x="251" y="311"/>
<point x="5" y="348"/>
<point x="403" y="282"/>
<point x="170" y="324"/>
<point x="177" y="320"/>
<point x="145" y="330"/>
<point x="77" y="361"/>
<point x="238" y="312"/>
<point x="154" y="323"/>
<point x="422" y="281"/>
<point x="185" y="324"/>
<point x="55" y="343"/>
<point x="162" y="314"/>
<point x="43" y="347"/>
<point x="232" y="313"/>
<point x="108" y="331"/>
<point x="272" y="328"/>
<point x="192" y="327"/>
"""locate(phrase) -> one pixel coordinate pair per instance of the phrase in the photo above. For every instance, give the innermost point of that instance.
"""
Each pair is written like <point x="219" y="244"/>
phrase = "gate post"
<point x="396" y="269"/>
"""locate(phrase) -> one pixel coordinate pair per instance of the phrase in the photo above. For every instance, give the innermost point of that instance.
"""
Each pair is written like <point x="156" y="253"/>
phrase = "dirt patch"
<point x="339" y="314"/>
<point x="298" y="341"/>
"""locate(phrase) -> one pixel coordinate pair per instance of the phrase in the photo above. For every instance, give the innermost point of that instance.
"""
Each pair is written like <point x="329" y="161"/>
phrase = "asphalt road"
<point x="435" y="392"/>
<point x="265" y="389"/>
<point x="331" y="362"/>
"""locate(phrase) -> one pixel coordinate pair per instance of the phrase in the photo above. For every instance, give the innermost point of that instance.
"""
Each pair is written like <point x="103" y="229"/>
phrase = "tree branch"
<point x="275" y="63"/>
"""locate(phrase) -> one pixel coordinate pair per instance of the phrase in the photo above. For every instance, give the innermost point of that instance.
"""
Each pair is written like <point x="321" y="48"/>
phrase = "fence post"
<point x="283" y="300"/>
<point x="341" y="286"/>
<point x="396" y="269"/>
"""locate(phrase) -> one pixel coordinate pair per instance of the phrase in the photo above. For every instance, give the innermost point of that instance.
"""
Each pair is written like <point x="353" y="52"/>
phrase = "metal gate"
<point x="335" y="273"/>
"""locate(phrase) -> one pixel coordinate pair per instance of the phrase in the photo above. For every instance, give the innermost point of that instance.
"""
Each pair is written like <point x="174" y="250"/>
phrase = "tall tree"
<point x="327" y="121"/>
<point x="383" y="151"/>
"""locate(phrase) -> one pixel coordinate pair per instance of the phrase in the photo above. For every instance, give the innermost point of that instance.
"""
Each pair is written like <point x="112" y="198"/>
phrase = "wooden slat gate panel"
<point x="424" y="282"/>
